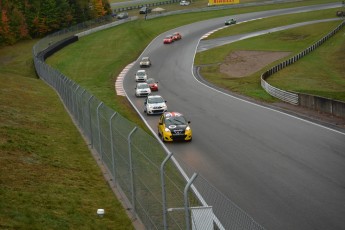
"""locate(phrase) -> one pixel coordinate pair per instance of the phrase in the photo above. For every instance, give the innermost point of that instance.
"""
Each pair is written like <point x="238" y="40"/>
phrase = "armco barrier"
<point x="161" y="194"/>
<point x="336" y="108"/>
<point x="149" y="4"/>
<point x="126" y="6"/>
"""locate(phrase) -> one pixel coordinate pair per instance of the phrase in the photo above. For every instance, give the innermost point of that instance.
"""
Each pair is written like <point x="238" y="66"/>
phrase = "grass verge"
<point x="48" y="177"/>
<point x="319" y="73"/>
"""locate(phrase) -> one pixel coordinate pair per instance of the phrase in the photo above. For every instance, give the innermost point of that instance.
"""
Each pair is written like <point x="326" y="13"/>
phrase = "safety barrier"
<point x="328" y="105"/>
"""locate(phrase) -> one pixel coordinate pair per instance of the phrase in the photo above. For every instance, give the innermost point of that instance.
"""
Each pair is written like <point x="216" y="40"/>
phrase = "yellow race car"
<point x="173" y="126"/>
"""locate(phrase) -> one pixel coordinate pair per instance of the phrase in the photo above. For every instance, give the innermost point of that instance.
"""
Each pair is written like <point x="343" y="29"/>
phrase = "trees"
<point x="13" y="25"/>
<point x="23" y="19"/>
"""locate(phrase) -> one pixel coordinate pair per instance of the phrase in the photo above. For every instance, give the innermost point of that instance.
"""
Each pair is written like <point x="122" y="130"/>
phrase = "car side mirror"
<point x="188" y="122"/>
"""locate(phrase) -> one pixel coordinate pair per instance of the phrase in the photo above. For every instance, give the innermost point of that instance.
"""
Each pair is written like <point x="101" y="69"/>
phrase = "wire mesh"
<point x="134" y="157"/>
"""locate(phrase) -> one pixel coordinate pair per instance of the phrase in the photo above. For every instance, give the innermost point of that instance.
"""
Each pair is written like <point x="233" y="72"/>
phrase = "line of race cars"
<point x="172" y="126"/>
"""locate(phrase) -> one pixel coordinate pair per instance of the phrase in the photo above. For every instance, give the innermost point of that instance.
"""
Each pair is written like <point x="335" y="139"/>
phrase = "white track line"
<point x="223" y="27"/>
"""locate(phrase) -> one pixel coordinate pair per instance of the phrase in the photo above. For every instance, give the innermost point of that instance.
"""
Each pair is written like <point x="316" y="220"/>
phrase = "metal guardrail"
<point x="135" y="159"/>
<point x="286" y="96"/>
<point x="140" y="4"/>
<point x="213" y="8"/>
<point x="292" y="97"/>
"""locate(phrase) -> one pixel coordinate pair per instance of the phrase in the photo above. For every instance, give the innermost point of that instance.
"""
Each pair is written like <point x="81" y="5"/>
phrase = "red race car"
<point x="168" y="39"/>
<point x="177" y="36"/>
<point x="153" y="85"/>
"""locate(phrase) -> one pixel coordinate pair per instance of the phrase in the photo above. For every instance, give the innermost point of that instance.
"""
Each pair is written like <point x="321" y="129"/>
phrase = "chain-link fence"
<point x="162" y="195"/>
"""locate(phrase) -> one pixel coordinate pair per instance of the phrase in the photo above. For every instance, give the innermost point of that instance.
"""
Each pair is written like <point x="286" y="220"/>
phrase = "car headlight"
<point x="188" y="128"/>
<point x="167" y="130"/>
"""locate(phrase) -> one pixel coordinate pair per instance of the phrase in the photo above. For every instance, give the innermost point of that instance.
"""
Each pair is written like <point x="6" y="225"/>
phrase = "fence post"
<point x="131" y="168"/>
<point x="99" y="131"/>
<point x="90" y="122"/>
<point x="163" y="191"/>
<point x="112" y="144"/>
<point x="81" y="96"/>
<point x="185" y="195"/>
<point x="74" y="99"/>
<point x="70" y="99"/>
<point x="65" y="90"/>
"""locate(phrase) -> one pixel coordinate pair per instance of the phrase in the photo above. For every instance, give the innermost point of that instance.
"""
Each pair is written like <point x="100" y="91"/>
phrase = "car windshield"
<point x="175" y="121"/>
<point x="152" y="100"/>
<point x="145" y="59"/>
<point x="141" y="73"/>
<point x="142" y="86"/>
<point x="168" y="37"/>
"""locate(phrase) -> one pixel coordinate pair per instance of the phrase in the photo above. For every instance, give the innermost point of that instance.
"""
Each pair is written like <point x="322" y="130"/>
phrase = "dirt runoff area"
<point x="243" y="63"/>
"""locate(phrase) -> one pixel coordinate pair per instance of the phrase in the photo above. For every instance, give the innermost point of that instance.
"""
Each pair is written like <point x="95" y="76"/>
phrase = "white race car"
<point x="184" y="3"/>
<point x="155" y="104"/>
<point x="142" y="89"/>
<point x="145" y="62"/>
<point x="141" y="75"/>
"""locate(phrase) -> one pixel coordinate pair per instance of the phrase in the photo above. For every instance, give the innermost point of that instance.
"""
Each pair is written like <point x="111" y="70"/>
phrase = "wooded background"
<point x="26" y="19"/>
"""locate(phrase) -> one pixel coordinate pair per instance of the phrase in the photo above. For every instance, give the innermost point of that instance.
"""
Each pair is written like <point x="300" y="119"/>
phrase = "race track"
<point x="285" y="172"/>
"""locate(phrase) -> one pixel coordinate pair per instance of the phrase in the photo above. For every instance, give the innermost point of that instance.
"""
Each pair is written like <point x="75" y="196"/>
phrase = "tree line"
<point x="25" y="19"/>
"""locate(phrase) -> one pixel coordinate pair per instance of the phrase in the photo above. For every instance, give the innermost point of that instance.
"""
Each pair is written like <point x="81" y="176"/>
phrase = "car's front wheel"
<point x="161" y="136"/>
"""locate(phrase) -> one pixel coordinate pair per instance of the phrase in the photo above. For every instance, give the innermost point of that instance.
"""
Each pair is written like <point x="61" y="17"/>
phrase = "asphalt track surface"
<point x="285" y="172"/>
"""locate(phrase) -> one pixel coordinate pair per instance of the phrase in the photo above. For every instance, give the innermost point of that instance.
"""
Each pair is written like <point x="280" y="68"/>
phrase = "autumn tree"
<point x="22" y="19"/>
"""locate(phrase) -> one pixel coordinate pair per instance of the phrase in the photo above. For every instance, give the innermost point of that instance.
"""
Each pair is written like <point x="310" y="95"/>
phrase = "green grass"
<point x="319" y="73"/>
<point x="272" y="22"/>
<point x="48" y="177"/>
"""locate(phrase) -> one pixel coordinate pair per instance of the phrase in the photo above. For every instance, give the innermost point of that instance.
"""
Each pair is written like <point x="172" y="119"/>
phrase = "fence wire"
<point x="159" y="198"/>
